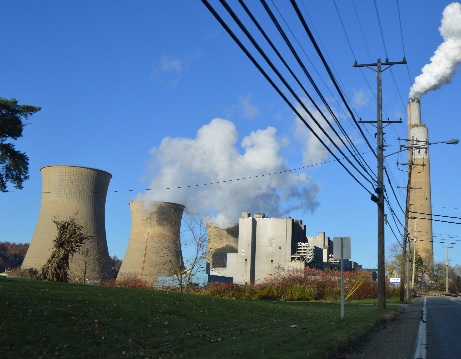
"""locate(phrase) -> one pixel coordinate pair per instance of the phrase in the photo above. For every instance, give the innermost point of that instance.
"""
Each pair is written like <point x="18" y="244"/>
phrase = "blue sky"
<point x="158" y="94"/>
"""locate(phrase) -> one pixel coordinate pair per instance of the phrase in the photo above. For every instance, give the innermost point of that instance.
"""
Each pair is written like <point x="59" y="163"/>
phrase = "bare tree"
<point x="194" y="244"/>
<point x="68" y="241"/>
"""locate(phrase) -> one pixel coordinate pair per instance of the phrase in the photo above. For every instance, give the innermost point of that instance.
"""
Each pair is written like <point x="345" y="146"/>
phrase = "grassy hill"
<point x="52" y="320"/>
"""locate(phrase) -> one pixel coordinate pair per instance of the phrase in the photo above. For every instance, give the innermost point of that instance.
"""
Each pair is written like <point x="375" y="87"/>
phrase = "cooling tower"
<point x="154" y="248"/>
<point x="220" y="242"/>
<point x="80" y="192"/>
<point x="420" y="209"/>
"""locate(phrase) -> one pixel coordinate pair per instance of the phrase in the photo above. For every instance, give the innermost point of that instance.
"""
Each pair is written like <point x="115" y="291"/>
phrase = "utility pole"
<point x="403" y="263"/>
<point x="446" y="272"/>
<point x="380" y="185"/>
<point x="404" y="285"/>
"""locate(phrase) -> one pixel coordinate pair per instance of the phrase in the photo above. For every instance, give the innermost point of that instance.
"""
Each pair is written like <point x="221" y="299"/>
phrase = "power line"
<point x="330" y="73"/>
<point x="332" y="114"/>
<point x="258" y="66"/>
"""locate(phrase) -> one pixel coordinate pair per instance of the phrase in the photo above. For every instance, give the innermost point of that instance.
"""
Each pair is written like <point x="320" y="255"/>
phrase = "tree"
<point x="194" y="243"/>
<point x="14" y="165"/>
<point x="68" y="241"/>
<point x="12" y="255"/>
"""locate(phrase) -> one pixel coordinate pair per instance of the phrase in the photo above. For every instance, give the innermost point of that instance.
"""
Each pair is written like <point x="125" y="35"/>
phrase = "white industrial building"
<point x="270" y="245"/>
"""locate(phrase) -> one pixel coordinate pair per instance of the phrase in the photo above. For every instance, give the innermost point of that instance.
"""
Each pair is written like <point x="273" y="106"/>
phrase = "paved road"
<point x="429" y="328"/>
<point x="394" y="339"/>
<point x="443" y="327"/>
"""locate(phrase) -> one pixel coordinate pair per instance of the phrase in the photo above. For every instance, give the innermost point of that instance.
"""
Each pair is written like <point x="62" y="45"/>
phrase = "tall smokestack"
<point x="69" y="191"/>
<point x="420" y="209"/>
<point x="154" y="248"/>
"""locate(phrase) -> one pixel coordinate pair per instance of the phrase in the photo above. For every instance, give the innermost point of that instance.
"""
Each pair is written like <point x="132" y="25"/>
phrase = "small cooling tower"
<point x="80" y="192"/>
<point x="154" y="248"/>
<point x="220" y="242"/>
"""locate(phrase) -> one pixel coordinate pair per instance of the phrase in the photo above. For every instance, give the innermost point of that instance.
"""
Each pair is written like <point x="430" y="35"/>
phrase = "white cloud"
<point x="169" y="70"/>
<point x="214" y="155"/>
<point x="360" y="98"/>
<point x="250" y="111"/>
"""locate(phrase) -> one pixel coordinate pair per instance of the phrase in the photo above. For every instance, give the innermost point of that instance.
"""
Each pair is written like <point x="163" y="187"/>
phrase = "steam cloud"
<point x="213" y="156"/>
<point x="447" y="56"/>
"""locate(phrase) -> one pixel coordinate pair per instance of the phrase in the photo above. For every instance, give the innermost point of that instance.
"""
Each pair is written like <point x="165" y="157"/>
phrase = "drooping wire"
<point x="361" y="29"/>
<point x="269" y="62"/>
<point x="381" y="28"/>
<point x="330" y="73"/>
<point x="403" y="42"/>
<point x="341" y="106"/>
<point x="278" y="90"/>
<point x="361" y="161"/>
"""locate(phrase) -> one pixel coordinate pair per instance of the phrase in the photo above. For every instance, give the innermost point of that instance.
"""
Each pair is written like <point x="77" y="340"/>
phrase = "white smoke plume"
<point x="446" y="58"/>
<point x="214" y="174"/>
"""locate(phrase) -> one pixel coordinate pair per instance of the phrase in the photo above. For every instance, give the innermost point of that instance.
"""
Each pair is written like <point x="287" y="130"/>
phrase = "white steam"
<point x="197" y="165"/>
<point x="447" y="56"/>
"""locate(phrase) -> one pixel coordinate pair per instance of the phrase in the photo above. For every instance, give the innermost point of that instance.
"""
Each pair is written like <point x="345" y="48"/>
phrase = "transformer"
<point x="154" y="247"/>
<point x="79" y="192"/>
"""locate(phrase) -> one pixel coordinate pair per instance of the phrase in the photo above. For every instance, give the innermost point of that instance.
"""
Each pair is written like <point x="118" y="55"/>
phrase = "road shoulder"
<point x="394" y="338"/>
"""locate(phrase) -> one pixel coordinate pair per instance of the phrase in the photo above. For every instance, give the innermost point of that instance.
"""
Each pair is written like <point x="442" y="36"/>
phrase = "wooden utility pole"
<point x="379" y="199"/>
<point x="446" y="272"/>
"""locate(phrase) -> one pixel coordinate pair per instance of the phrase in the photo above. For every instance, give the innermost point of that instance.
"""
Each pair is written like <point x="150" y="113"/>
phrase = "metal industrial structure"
<point x="80" y="192"/>
<point x="154" y="247"/>
<point x="420" y="209"/>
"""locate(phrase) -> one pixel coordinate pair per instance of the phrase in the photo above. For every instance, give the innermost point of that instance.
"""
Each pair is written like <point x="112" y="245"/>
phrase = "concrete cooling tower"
<point x="420" y="209"/>
<point x="220" y="242"/>
<point x="154" y="248"/>
<point x="80" y="192"/>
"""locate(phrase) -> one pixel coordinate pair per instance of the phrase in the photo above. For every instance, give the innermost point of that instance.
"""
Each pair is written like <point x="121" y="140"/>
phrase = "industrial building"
<point x="154" y="247"/>
<point x="267" y="246"/>
<point x="419" y="186"/>
<point x="80" y="192"/>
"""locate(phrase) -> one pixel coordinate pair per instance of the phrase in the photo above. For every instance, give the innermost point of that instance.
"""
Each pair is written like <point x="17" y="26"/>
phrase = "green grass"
<point x="50" y="320"/>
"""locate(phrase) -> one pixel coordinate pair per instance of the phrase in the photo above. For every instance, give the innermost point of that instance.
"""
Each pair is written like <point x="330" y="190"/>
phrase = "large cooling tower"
<point x="154" y="248"/>
<point x="80" y="192"/>
<point x="220" y="242"/>
<point x="420" y="209"/>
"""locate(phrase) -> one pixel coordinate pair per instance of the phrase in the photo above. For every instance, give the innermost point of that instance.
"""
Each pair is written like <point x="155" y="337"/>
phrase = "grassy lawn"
<point x="50" y="320"/>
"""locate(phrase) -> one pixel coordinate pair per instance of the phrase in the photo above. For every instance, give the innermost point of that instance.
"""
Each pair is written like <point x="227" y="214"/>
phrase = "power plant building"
<point x="154" y="247"/>
<point x="420" y="208"/>
<point x="265" y="247"/>
<point x="79" y="192"/>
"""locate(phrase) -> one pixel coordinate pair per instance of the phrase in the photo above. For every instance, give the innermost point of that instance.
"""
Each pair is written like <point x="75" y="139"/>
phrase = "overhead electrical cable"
<point x="395" y="84"/>
<point x="361" y="29"/>
<point x="327" y="67"/>
<point x="380" y="28"/>
<point x="353" y="54"/>
<point x="314" y="85"/>
<point x="403" y="42"/>
<point x="435" y="215"/>
<point x="340" y="105"/>
<point x="301" y="103"/>
<point x="278" y="90"/>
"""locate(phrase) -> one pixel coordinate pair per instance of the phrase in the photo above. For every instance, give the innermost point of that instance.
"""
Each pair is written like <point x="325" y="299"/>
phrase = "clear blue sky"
<point x="135" y="88"/>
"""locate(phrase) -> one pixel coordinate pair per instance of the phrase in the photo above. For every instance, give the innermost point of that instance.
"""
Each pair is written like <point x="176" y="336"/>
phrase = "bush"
<point x="304" y="285"/>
